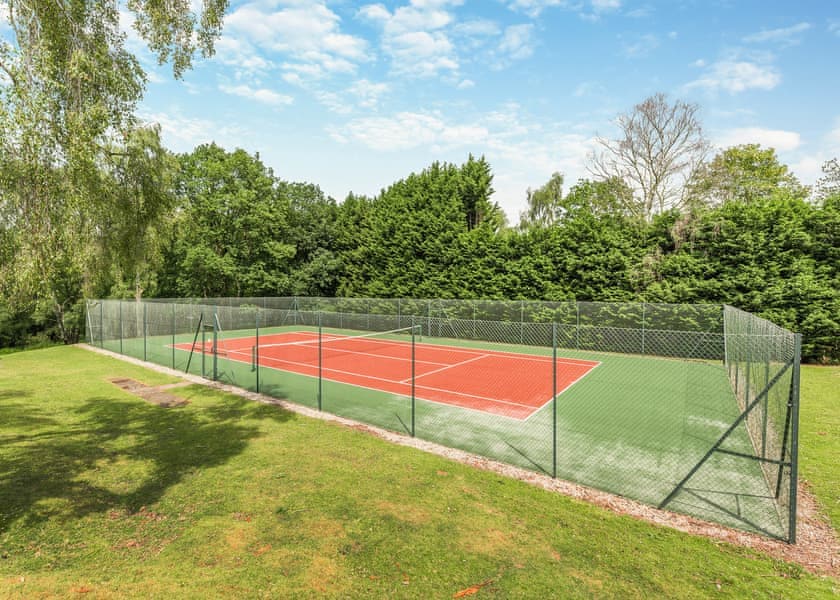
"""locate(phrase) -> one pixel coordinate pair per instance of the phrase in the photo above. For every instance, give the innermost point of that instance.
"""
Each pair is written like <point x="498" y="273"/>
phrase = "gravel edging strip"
<point x="817" y="549"/>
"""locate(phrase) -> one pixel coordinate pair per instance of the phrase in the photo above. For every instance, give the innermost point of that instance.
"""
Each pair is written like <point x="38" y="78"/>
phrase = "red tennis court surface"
<point x="502" y="383"/>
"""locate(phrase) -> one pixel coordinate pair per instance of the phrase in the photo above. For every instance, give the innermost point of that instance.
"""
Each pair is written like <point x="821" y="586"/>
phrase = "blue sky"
<point x="354" y="95"/>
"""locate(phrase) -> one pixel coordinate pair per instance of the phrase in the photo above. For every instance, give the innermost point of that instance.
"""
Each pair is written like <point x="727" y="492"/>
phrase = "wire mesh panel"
<point x="491" y="397"/>
<point x="367" y="376"/>
<point x="687" y="407"/>
<point x="275" y="375"/>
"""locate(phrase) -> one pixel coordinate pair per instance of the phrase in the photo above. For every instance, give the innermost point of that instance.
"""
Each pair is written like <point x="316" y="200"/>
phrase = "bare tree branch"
<point x="659" y="148"/>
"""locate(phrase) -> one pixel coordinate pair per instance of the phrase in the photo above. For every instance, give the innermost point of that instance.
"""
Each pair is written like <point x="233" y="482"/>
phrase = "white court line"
<point x="359" y="352"/>
<point x="342" y="350"/>
<point x="506" y="353"/>
<point x="534" y="409"/>
<point x="394" y="381"/>
<point x="353" y="373"/>
<point x="458" y="364"/>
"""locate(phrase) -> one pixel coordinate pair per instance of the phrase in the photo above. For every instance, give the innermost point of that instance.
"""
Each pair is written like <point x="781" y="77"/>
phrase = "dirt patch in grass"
<point x="817" y="547"/>
<point x="492" y="542"/>
<point x="404" y="512"/>
<point x="157" y="395"/>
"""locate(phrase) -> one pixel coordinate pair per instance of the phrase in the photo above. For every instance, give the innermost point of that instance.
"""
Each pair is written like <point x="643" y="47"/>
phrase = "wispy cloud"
<point x="361" y="94"/>
<point x="368" y="93"/>
<point x="779" y="139"/>
<point x="263" y="95"/>
<point x="640" y="46"/>
<point x="834" y="27"/>
<point x="241" y="54"/>
<point x="591" y="9"/>
<point x="734" y="76"/>
<point x="785" y="36"/>
<point x="181" y="133"/>
<point x="587" y="88"/>
<point x="517" y="42"/>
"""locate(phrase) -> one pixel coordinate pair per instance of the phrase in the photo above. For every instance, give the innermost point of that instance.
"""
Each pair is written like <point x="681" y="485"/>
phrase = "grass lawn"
<point x="103" y="495"/>
<point x="819" y="439"/>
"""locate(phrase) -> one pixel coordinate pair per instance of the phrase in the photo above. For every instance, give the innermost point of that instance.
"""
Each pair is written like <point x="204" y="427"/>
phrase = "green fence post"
<point x="429" y="318"/>
<point x="554" y="400"/>
<point x="215" y="344"/>
<point x="173" y="335"/>
<point x="320" y="363"/>
<point x="257" y="348"/>
<point x="145" y="356"/>
<point x="794" y="436"/>
<point x="577" y="325"/>
<point x="101" y="324"/>
<point x="643" y="327"/>
<point x="748" y="366"/>
<point x="121" y="329"/>
<point x="767" y="358"/>
<point x="203" y="345"/>
<point x="412" y="380"/>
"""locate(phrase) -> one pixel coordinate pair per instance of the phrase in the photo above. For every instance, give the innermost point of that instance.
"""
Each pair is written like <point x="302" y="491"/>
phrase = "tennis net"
<point x="315" y="347"/>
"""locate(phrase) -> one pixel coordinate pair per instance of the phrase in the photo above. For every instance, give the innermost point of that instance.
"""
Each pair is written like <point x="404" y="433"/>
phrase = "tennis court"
<point x="508" y="384"/>
<point x="690" y="410"/>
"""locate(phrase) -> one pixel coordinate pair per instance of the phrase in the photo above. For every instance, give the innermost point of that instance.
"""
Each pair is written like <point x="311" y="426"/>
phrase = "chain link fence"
<point x="693" y="408"/>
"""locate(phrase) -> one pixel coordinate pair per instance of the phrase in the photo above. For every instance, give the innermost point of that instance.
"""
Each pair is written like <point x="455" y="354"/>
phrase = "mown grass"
<point x="819" y="439"/>
<point x="105" y="495"/>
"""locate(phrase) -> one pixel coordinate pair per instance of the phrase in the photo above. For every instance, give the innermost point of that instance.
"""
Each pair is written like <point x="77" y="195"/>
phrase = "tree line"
<point x="220" y="223"/>
<point x="93" y="205"/>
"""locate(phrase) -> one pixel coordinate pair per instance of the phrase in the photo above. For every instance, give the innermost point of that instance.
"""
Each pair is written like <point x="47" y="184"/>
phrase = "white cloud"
<point x="808" y="168"/>
<point x="807" y="164"/>
<point x="182" y="134"/>
<point x="641" y="46"/>
<point x="240" y="54"/>
<point x="477" y="28"/>
<point x="587" y="88"/>
<point x="588" y="10"/>
<point x="785" y="36"/>
<point x="307" y="33"/>
<point x="834" y="27"/>
<point x="639" y="13"/>
<point x="401" y="132"/>
<point x="833" y="136"/>
<point x="516" y="42"/>
<point x="5" y="26"/>
<point x="533" y="8"/>
<point x="362" y="93"/>
<point x="736" y="76"/>
<point x="466" y="84"/>
<point x="262" y="95"/>
<point x="523" y="150"/>
<point x="414" y="36"/>
<point x="605" y="5"/>
<point x="368" y="93"/>
<point x="779" y="139"/>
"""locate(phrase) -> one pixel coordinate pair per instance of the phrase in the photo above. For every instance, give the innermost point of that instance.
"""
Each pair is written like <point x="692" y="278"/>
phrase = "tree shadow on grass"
<point x="73" y="469"/>
<point x="16" y="415"/>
